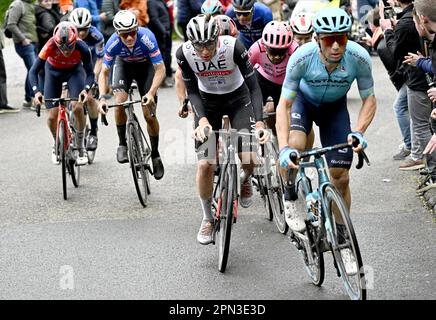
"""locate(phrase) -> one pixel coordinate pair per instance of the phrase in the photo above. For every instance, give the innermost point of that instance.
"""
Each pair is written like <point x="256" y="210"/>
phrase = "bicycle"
<point x="95" y="93"/>
<point x="269" y="182"/>
<point x="64" y="145"/>
<point x="321" y="233"/>
<point x="138" y="148"/>
<point x="226" y="190"/>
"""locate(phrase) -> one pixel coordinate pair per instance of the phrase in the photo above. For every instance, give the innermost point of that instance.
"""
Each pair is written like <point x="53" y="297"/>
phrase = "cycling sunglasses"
<point x="243" y="13"/>
<point x="276" y="52"/>
<point x="125" y="35"/>
<point x="66" y="47"/>
<point x="82" y="29"/>
<point x="341" y="39"/>
<point x="210" y="45"/>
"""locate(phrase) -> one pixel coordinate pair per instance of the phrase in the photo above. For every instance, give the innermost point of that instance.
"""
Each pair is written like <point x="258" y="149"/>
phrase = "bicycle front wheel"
<point x="62" y="156"/>
<point x="344" y="244"/>
<point x="137" y="164"/>
<point x="275" y="187"/>
<point x="228" y="200"/>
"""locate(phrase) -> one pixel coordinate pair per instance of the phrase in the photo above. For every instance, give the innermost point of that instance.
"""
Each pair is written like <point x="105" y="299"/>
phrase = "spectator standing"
<point x="65" y="6"/>
<point x="160" y="25"/>
<point x="187" y="9"/>
<point x="110" y="8"/>
<point x="403" y="40"/>
<point x="91" y="5"/>
<point x="396" y="74"/>
<point x="139" y="8"/>
<point x="46" y="20"/>
<point x="22" y="24"/>
<point x="4" y="106"/>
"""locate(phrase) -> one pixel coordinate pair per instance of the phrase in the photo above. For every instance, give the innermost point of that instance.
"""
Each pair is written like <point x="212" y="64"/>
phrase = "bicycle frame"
<point x="63" y="116"/>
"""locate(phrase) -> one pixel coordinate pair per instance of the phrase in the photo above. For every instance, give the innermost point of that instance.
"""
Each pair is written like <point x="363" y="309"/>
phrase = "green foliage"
<point x="4" y="4"/>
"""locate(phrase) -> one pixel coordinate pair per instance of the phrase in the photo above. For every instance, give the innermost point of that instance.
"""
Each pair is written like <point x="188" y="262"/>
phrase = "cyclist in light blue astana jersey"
<point x="318" y="77"/>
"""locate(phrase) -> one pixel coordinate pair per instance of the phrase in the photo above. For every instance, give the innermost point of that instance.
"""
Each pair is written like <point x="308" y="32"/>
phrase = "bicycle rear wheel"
<point x="260" y="181"/>
<point x="228" y="184"/>
<point x="354" y="280"/>
<point x="276" y="190"/>
<point x="137" y="164"/>
<point x="62" y="156"/>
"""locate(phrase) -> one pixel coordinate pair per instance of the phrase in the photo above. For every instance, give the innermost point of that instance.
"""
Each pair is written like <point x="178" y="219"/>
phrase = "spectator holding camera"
<point x="402" y="40"/>
<point x="396" y="75"/>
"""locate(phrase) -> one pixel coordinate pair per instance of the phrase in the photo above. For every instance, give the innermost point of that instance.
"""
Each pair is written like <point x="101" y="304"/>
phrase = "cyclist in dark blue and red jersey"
<point x="250" y="18"/>
<point x="81" y="18"/>
<point x="136" y="55"/>
<point x="65" y="59"/>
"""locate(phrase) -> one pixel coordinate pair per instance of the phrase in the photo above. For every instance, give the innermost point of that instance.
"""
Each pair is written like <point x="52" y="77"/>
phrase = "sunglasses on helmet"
<point x="276" y="52"/>
<point x="328" y="41"/>
<point x="244" y="13"/>
<point x="125" y="35"/>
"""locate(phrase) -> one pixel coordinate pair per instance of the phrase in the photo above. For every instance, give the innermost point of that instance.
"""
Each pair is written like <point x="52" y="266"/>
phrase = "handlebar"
<point x="125" y="104"/>
<point x="320" y="151"/>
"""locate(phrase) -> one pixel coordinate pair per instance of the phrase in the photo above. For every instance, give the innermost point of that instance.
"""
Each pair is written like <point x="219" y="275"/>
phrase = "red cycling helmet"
<point x="65" y="35"/>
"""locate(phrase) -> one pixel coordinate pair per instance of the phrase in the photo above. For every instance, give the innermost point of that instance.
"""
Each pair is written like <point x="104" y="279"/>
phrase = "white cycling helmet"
<point x="125" y="20"/>
<point x="301" y="23"/>
<point x="202" y="28"/>
<point x="81" y="18"/>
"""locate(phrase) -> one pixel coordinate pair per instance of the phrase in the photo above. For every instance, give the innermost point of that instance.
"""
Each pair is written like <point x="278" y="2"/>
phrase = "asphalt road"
<point x="101" y="243"/>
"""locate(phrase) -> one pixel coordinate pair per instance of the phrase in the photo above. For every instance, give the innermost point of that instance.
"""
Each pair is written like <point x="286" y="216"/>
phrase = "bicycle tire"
<point x="136" y="165"/>
<point x="276" y="192"/>
<point x="62" y="156"/>
<point x="178" y="30"/>
<point x="74" y="172"/>
<point x="315" y="271"/>
<point x="355" y="289"/>
<point x="91" y="154"/>
<point x="146" y="152"/>
<point x="225" y="230"/>
<point x="261" y="185"/>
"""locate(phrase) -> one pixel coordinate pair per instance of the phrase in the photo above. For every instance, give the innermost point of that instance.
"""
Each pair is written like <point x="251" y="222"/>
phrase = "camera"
<point x="389" y="12"/>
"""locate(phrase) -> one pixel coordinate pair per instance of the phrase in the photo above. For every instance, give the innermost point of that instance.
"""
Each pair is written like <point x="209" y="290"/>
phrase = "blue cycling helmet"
<point x="332" y="20"/>
<point x="243" y="4"/>
<point x="212" y="7"/>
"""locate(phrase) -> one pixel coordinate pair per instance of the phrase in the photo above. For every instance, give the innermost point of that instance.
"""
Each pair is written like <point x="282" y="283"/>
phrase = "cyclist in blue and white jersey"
<point x="250" y="18"/>
<point x="136" y="55"/>
<point x="81" y="18"/>
<point x="318" y="78"/>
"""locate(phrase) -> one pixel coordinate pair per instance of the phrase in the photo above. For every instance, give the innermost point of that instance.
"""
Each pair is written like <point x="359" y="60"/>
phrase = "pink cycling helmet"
<point x="277" y="34"/>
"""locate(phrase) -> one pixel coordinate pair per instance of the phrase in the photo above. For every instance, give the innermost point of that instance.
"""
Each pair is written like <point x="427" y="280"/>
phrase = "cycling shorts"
<point x="269" y="89"/>
<point x="125" y="72"/>
<point x="237" y="105"/>
<point x="333" y="121"/>
<point x="75" y="77"/>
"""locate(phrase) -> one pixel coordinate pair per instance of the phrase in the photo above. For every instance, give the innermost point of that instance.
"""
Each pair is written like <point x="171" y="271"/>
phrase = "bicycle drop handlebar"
<point x="320" y="151"/>
<point x="125" y="104"/>
<point x="55" y="101"/>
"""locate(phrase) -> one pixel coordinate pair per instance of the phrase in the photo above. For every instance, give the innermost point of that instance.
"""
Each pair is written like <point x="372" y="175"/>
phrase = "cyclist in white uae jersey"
<point x="220" y="81"/>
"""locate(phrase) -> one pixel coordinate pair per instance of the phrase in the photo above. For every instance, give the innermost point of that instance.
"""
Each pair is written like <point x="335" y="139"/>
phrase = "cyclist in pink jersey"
<point x="269" y="57"/>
